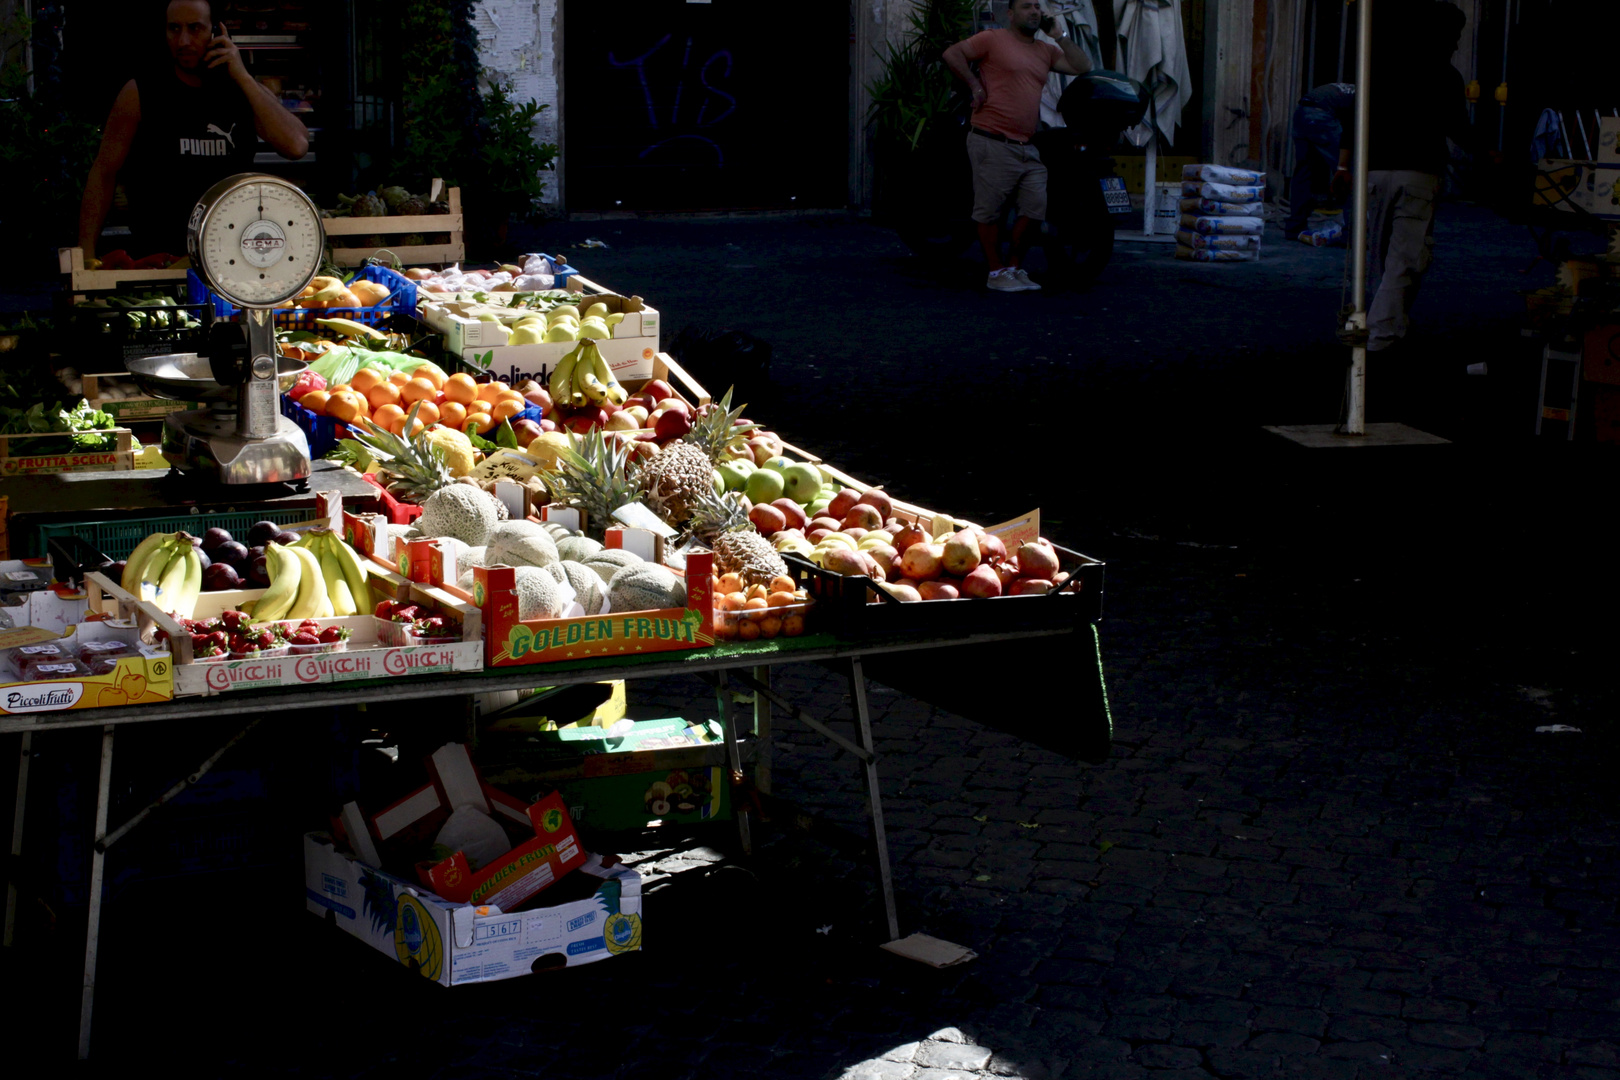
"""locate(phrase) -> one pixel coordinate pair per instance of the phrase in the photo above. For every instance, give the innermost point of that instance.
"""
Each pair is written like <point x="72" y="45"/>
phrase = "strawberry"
<point x="264" y="639"/>
<point x="233" y="620"/>
<point x="385" y="609"/>
<point x="303" y="638"/>
<point x="219" y="638"/>
<point x="407" y="613"/>
<point x="333" y="634"/>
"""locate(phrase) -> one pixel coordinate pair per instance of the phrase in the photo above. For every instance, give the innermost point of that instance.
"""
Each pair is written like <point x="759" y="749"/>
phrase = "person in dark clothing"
<point x="1418" y="103"/>
<point x="180" y="128"/>
<point x="1323" y="121"/>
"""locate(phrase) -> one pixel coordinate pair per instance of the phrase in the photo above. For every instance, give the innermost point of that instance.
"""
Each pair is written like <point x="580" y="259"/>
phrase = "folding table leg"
<point x="734" y="769"/>
<point x="762" y="733"/>
<point x="17" y="836"/>
<point x="874" y="792"/>
<point x="98" y="858"/>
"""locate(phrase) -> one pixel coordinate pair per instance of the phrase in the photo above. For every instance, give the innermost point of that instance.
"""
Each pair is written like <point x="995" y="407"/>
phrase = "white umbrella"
<point x="1153" y="51"/>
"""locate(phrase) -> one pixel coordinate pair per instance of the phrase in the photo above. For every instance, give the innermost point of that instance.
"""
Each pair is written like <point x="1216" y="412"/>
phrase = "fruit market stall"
<point x="524" y="491"/>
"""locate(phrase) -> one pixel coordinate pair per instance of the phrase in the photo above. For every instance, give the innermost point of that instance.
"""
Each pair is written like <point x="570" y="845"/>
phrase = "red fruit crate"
<point x="854" y="606"/>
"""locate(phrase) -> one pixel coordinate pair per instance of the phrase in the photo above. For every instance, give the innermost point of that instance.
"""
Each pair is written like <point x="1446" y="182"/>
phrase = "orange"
<point x="344" y="407"/>
<point x="416" y="428"/>
<point x="513" y="395"/>
<point x="460" y="388"/>
<point x="341" y="388"/>
<point x="398" y="378"/>
<point x="478" y="407"/>
<point x="491" y="390"/>
<point x="315" y="401"/>
<point x="381" y="393"/>
<point x="366" y="378"/>
<point x="432" y="372"/>
<point x="506" y="408"/>
<point x="388" y="417"/>
<point x="482" y="423"/>
<point x="417" y="390"/>
<point x="428" y="413"/>
<point x="453" y="414"/>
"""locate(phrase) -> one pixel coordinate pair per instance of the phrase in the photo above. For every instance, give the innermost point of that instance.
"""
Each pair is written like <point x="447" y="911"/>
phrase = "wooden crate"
<point x="338" y="230"/>
<point x="70" y="260"/>
<point x="16" y="461"/>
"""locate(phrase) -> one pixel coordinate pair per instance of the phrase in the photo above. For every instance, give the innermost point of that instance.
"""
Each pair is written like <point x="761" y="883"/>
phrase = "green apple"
<point x="734" y="474"/>
<point x="817" y="505"/>
<point x="801" y="483"/>
<point x="778" y="464"/>
<point x="763" y="486"/>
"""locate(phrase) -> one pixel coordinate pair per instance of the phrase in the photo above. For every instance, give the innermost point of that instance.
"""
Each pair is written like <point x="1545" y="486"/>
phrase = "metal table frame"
<point x="750" y="671"/>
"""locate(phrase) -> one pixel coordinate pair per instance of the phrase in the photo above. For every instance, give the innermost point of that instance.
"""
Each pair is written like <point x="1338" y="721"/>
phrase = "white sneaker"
<point x="1024" y="279"/>
<point x="1005" y="280"/>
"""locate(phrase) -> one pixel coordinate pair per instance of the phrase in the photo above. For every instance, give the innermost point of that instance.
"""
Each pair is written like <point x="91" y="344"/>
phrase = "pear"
<point x="556" y="332"/>
<point x="592" y="327"/>
<point x="529" y="335"/>
<point x="562" y="311"/>
<point x="598" y="309"/>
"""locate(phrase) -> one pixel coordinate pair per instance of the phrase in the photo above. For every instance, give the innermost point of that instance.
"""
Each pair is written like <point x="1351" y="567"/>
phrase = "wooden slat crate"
<point x="340" y="230"/>
<point x="70" y="260"/>
<point x="15" y="459"/>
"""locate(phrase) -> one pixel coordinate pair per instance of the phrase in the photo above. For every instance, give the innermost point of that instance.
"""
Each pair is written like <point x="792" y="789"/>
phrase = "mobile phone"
<point x="215" y="73"/>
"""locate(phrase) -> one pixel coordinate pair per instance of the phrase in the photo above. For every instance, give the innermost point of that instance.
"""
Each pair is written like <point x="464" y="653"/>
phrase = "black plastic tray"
<point x="103" y="338"/>
<point x="72" y="557"/>
<point x="853" y="606"/>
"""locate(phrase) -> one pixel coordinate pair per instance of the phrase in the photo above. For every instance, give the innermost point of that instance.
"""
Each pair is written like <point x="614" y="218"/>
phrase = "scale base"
<point x="205" y="444"/>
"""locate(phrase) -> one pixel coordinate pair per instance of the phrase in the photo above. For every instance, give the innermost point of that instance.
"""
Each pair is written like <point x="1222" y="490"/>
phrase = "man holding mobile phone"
<point x="179" y="128"/>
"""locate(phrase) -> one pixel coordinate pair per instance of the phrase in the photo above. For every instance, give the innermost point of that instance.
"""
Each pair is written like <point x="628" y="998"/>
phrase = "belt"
<point x="998" y="136"/>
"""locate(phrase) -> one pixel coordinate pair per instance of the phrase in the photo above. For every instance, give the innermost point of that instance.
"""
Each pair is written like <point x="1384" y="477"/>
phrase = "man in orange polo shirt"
<point x="1006" y="112"/>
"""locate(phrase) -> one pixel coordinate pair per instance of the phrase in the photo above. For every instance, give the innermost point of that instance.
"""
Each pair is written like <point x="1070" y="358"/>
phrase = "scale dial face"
<point x="256" y="240"/>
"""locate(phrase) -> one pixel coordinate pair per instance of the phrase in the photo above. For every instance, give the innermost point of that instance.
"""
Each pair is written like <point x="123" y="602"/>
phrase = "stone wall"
<point x="519" y="41"/>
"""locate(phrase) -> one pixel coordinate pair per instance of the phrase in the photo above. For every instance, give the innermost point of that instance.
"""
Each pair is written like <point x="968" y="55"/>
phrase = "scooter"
<point x="935" y="220"/>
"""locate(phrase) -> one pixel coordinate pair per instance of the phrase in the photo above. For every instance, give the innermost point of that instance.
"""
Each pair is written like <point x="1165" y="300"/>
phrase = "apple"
<point x="735" y="476"/>
<point x="843" y="502"/>
<point x="800" y="482"/>
<point x="815" y="536"/>
<point x="796" y="517"/>
<point x="639" y="412"/>
<point x="644" y="400"/>
<point x="877" y="499"/>
<point x="767" y="518"/>
<point x="675" y="404"/>
<point x="864" y="516"/>
<point x="764" y="448"/>
<point x="658" y="389"/>
<point x="822" y="521"/>
<point x="622" y="420"/>
<point x="763" y="486"/>
<point x="672" y="424"/>
<point x="538" y="397"/>
<point x="527" y="431"/>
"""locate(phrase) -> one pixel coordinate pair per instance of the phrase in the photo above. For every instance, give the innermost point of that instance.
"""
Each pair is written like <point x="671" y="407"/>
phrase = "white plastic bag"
<point x="475" y="834"/>
<point x="534" y="282"/>
<point x="538" y="264"/>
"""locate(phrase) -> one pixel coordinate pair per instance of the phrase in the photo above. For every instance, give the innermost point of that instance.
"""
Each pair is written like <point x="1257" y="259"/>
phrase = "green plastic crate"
<point x="116" y="539"/>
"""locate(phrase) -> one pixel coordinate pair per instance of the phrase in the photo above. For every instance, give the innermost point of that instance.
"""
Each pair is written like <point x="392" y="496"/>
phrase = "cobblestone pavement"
<point x="1330" y="842"/>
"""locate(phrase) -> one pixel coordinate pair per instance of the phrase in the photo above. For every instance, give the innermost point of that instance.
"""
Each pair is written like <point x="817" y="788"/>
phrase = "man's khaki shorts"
<point x="1002" y="171"/>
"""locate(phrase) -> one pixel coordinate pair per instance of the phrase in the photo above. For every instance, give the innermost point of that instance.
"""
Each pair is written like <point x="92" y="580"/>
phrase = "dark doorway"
<point x="675" y="105"/>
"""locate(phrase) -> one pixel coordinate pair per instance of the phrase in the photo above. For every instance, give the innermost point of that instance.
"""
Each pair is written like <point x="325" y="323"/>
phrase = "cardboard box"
<point x="481" y="344"/>
<point x="132" y="407"/>
<point x="530" y="867"/>
<point x="1576" y="186"/>
<point x="509" y="641"/>
<point x="604" y="774"/>
<point x="453" y="944"/>
<point x="136" y="680"/>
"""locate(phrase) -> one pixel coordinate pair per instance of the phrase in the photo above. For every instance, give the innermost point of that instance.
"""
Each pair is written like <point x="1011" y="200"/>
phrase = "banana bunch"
<point x="166" y="569"/>
<point x="582" y="377"/>
<point x="317" y="578"/>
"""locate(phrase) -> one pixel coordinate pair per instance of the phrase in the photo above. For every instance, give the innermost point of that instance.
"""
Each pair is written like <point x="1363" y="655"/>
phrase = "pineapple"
<point x="676" y="478"/>
<point x="596" y="475"/>
<point x="715" y="428"/>
<point x="417" y="463"/>
<point x="720" y="522"/>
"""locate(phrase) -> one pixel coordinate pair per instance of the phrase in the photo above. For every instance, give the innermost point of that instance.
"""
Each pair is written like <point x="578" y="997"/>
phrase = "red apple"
<point x="540" y="398"/>
<point x="527" y="431"/>
<point x="862" y="515"/>
<point x="767" y="518"/>
<point x="658" y="389"/>
<point x="672" y="425"/>
<point x="878" y="499"/>
<point x="843" y="502"/>
<point x="794" y="513"/>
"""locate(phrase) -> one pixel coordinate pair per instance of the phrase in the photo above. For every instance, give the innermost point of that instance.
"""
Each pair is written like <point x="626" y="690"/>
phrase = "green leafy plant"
<point x="513" y="161"/>
<point x="916" y="91"/>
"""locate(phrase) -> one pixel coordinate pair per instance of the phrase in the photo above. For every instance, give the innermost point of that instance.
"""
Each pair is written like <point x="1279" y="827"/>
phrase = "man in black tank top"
<point x="178" y="129"/>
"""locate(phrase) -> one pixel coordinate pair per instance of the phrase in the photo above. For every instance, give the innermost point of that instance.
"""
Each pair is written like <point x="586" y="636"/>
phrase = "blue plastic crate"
<point x="321" y="431"/>
<point x="561" y="270"/>
<point x="403" y="302"/>
<point x="116" y="539"/>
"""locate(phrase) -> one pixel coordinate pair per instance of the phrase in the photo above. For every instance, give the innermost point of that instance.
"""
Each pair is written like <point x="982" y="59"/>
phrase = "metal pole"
<point x="1344" y="31"/>
<point x="98" y="859"/>
<point x="1356" y="424"/>
<point x="1310" y="50"/>
<point x="17" y="836"/>
<point x="874" y="792"/>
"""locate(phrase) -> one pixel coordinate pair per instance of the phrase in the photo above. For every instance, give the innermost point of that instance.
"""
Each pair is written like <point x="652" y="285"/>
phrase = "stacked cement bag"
<point x="1222" y="214"/>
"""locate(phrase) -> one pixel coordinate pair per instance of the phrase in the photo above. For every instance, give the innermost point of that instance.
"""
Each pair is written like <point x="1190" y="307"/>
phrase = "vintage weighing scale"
<point x="256" y="240"/>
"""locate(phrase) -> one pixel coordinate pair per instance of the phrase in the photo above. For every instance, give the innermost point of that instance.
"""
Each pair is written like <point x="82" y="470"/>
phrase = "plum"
<point x="215" y="537"/>
<point x="262" y="533"/>
<point x="206" y="561"/>
<point x="235" y="553"/>
<point x="219" y="577"/>
<point x="284" y="538"/>
<point x="258" y="574"/>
